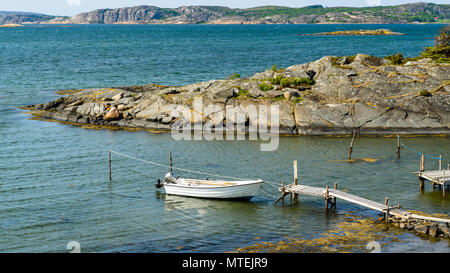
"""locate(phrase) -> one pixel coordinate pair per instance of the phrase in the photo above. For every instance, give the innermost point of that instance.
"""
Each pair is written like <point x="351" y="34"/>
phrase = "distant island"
<point x="12" y="25"/>
<point x="358" y="32"/>
<point x="18" y="17"/>
<point x="316" y="14"/>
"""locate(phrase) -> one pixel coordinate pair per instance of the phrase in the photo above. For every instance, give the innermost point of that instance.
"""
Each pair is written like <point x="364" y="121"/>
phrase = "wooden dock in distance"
<point x="439" y="177"/>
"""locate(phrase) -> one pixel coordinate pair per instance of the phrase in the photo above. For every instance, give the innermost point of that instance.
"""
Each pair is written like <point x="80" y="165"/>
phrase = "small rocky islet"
<point x="365" y="32"/>
<point x="330" y="96"/>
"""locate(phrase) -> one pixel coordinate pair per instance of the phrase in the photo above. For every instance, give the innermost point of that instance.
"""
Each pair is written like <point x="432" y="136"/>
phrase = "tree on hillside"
<point x="440" y="52"/>
<point x="443" y="39"/>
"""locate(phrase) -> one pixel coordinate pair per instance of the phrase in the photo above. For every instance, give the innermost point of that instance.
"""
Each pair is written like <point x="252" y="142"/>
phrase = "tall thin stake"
<point x="350" y="149"/>
<point x="109" y="164"/>
<point x="422" y="163"/>
<point x="443" y="184"/>
<point x="386" y="202"/>
<point x="294" y="196"/>
<point x="170" y="161"/>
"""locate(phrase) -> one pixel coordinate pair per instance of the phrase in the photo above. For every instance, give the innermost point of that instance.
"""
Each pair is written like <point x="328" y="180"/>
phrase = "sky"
<point x="73" y="7"/>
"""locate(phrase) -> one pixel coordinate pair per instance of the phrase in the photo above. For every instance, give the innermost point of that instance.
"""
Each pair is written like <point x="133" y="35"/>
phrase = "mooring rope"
<point x="177" y="168"/>
<point x="430" y="156"/>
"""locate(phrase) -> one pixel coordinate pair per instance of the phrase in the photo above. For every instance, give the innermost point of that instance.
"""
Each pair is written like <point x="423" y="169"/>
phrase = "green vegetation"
<point x="275" y="68"/>
<point x="285" y="82"/>
<point x="276" y="80"/>
<point x="439" y="55"/>
<point x="291" y="82"/>
<point x="297" y="99"/>
<point x="302" y="81"/>
<point x="242" y="93"/>
<point x="396" y="59"/>
<point x="425" y="93"/>
<point x="440" y="52"/>
<point x="235" y="76"/>
<point x="348" y="60"/>
<point x="265" y="86"/>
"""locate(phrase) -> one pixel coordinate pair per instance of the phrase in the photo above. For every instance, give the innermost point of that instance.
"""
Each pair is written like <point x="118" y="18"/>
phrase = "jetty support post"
<point x="422" y="163"/>
<point x="350" y="149"/>
<point x="440" y="162"/>
<point x="283" y="193"/>
<point x="443" y="184"/>
<point x="398" y="147"/>
<point x="109" y="165"/>
<point x="386" y="203"/>
<point x="330" y="202"/>
<point x="170" y="161"/>
<point x="294" y="196"/>
<point x="422" y="168"/>
<point x="334" y="198"/>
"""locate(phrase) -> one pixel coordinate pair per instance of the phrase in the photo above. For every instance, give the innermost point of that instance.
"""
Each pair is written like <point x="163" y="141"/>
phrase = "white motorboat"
<point x="215" y="189"/>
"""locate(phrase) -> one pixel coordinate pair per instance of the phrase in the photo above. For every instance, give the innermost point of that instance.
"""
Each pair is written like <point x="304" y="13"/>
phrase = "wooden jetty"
<point x="440" y="177"/>
<point x="330" y="196"/>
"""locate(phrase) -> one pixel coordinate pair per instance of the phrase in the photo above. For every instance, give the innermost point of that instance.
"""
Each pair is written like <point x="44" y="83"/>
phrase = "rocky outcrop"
<point x="366" y="32"/>
<point x="141" y="14"/>
<point x="422" y="227"/>
<point x="333" y="95"/>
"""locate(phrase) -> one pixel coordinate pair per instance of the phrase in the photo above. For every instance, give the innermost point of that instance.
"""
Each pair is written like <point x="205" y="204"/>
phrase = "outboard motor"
<point x="169" y="178"/>
<point x="158" y="184"/>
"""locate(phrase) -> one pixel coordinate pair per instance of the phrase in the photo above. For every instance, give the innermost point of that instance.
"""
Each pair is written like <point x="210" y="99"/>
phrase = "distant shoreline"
<point x="224" y="24"/>
<point x="316" y="14"/>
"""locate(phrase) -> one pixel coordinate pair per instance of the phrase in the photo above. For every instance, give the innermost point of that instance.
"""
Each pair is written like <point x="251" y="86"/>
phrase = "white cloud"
<point x="73" y="2"/>
<point x="374" y="2"/>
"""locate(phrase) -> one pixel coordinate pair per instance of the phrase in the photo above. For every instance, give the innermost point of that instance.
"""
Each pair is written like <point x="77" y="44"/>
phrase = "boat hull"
<point x="245" y="191"/>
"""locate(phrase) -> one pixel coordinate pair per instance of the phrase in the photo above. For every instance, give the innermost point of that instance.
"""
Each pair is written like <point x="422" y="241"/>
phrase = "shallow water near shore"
<point x="54" y="185"/>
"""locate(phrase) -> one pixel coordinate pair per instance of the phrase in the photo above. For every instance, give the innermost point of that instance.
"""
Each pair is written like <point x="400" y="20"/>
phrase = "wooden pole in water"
<point x="398" y="146"/>
<point x="443" y="184"/>
<point x="334" y="198"/>
<point x="170" y="161"/>
<point x="386" y="202"/>
<point x="326" y="197"/>
<point x="294" y="196"/>
<point x="109" y="164"/>
<point x="422" y="180"/>
<point x="283" y="193"/>
<point x="440" y="162"/>
<point x="350" y="149"/>
<point x="422" y="163"/>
